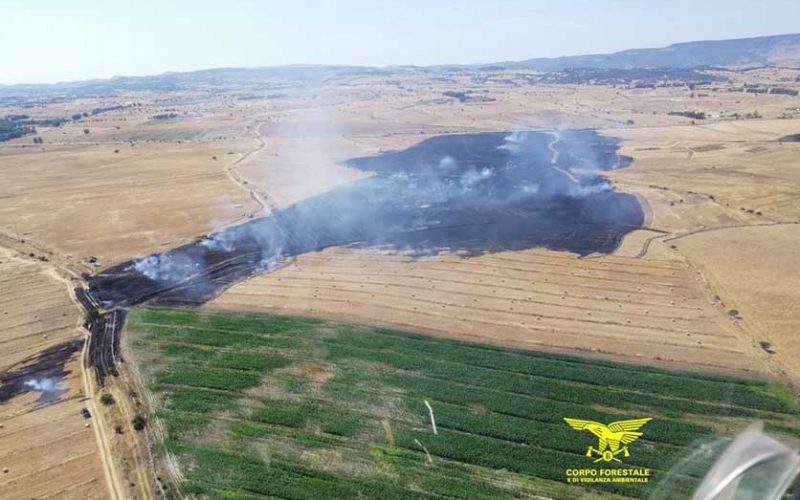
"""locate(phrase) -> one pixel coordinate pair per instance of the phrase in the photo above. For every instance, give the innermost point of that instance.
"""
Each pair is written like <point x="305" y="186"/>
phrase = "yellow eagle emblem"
<point x="614" y="438"/>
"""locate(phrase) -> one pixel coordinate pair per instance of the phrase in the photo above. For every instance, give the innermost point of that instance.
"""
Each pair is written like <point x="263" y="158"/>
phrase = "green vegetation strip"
<point x="264" y="406"/>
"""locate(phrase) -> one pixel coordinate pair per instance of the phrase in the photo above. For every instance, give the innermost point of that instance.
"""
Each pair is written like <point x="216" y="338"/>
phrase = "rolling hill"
<point x="778" y="50"/>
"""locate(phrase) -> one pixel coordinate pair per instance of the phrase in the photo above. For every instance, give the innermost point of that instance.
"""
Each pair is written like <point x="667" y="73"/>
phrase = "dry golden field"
<point x="640" y="310"/>
<point x="49" y="450"/>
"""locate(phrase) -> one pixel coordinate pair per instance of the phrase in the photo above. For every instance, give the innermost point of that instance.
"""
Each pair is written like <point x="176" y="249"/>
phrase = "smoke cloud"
<point x="49" y="385"/>
<point x="461" y="193"/>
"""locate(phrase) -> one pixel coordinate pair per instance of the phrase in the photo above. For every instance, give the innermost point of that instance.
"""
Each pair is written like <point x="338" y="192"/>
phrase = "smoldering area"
<point x="467" y="194"/>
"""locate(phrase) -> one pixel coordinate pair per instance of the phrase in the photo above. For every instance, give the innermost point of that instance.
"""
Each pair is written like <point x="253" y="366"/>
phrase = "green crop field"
<point x="259" y="406"/>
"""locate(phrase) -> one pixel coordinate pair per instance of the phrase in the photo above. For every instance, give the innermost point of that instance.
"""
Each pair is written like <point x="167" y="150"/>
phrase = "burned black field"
<point x="468" y="194"/>
<point x="40" y="374"/>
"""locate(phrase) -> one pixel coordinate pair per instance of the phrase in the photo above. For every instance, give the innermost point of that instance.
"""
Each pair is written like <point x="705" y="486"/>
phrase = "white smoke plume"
<point x="165" y="267"/>
<point x="44" y="384"/>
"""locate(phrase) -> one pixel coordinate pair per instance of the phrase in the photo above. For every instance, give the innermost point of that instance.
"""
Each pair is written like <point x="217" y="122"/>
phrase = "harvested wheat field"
<point x="757" y="270"/>
<point x="49" y="450"/>
<point x="88" y="201"/>
<point x="651" y="311"/>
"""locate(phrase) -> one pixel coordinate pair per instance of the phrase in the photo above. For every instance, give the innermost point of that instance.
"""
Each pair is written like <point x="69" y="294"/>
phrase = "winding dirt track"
<point x="115" y="491"/>
<point x="554" y="159"/>
<point x="262" y="198"/>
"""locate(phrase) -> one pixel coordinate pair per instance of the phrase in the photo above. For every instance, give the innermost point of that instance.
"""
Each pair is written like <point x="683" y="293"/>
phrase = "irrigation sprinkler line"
<point x="430" y="460"/>
<point x="433" y="420"/>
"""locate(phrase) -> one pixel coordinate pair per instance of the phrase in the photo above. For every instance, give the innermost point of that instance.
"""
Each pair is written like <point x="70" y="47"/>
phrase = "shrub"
<point x="138" y="422"/>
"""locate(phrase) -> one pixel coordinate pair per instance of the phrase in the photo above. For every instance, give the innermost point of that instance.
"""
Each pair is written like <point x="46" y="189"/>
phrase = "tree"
<point x="107" y="399"/>
<point x="86" y="131"/>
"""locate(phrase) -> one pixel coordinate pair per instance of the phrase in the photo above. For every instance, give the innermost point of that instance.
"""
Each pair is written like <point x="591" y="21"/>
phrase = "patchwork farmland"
<point x="640" y="220"/>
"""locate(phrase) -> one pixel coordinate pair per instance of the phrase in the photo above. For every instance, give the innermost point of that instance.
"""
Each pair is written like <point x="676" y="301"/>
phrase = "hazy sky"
<point x="58" y="40"/>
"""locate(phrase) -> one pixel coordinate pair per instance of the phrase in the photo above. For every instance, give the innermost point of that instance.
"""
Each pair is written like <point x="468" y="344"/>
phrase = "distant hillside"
<point x="659" y="64"/>
<point x="779" y="50"/>
<point x="642" y="77"/>
<point x="266" y="77"/>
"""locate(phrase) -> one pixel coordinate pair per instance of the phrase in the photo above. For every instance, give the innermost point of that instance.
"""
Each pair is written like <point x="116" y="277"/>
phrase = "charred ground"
<point x="468" y="194"/>
<point x="40" y="374"/>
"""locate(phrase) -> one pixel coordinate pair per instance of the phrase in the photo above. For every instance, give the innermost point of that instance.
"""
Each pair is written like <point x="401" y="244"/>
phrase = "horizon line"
<point x="379" y="67"/>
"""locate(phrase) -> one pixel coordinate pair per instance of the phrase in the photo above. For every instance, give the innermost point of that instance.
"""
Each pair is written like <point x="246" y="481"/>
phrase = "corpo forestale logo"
<point x="613" y="441"/>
